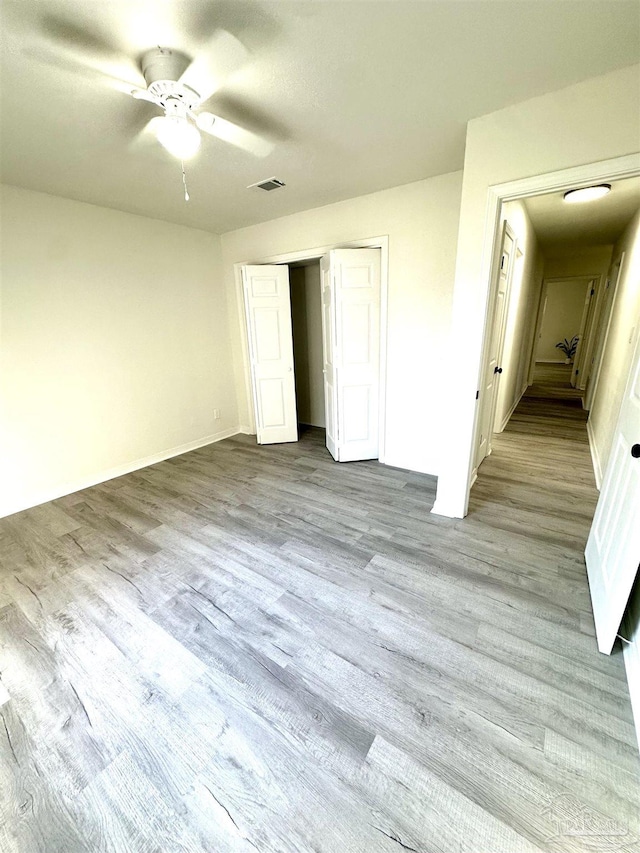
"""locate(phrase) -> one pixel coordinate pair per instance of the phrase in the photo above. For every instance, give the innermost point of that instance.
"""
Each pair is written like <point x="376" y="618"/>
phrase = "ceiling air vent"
<point x="268" y="185"/>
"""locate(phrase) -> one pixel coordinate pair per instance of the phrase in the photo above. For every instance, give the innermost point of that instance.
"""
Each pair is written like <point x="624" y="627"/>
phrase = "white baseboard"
<point x="245" y="430"/>
<point x="507" y="417"/>
<point x="407" y="465"/>
<point x="595" y="459"/>
<point x="631" y="654"/>
<point x="551" y="361"/>
<point x="9" y="508"/>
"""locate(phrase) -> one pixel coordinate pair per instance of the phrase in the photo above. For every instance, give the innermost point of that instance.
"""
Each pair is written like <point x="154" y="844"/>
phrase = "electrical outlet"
<point x="216" y="414"/>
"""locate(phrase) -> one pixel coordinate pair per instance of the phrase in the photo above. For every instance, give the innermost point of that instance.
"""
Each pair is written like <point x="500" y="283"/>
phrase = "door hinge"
<point x="592" y="291"/>
<point x="577" y="372"/>
<point x="477" y="394"/>
<point x="502" y="262"/>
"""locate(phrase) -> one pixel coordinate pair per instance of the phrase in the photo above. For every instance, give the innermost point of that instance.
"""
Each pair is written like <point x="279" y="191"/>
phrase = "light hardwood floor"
<point x="256" y="649"/>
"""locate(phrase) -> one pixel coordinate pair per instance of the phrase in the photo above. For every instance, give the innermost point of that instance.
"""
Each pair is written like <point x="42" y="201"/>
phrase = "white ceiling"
<point x="596" y="223"/>
<point x="357" y="96"/>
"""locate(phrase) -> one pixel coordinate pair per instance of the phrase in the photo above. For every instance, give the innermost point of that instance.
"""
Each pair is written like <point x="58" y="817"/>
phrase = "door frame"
<point x="588" y="337"/>
<point x="589" y="306"/>
<point x="314" y="254"/>
<point x="542" y="307"/>
<point x="454" y="482"/>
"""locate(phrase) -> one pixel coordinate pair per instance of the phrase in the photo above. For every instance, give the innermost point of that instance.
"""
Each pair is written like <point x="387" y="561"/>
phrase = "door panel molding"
<point x="270" y="338"/>
<point x="354" y="279"/>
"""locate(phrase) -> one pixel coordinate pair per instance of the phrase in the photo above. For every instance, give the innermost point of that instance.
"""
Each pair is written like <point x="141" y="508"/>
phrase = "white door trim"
<point x="452" y="499"/>
<point x="316" y="253"/>
<point x="590" y="296"/>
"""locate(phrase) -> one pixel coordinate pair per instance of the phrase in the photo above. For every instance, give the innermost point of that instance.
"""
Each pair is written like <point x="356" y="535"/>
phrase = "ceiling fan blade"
<point x="142" y="95"/>
<point x="222" y="55"/>
<point x="234" y="134"/>
<point x="109" y="76"/>
<point x="86" y="47"/>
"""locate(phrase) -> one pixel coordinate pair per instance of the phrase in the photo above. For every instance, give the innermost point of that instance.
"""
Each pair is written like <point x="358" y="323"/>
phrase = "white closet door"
<point x="354" y="284"/>
<point x="268" y="310"/>
<point x="328" y="338"/>
<point x="613" y="547"/>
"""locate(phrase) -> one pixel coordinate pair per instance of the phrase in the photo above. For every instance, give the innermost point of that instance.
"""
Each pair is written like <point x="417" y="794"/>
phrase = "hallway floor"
<point x="253" y="648"/>
<point x="553" y="381"/>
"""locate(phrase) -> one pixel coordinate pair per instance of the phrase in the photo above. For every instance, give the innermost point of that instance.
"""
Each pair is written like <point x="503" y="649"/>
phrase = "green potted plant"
<point x="569" y="348"/>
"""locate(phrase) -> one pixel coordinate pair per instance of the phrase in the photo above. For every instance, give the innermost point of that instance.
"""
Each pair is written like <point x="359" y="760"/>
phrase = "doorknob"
<point x="635" y="451"/>
<point x="497" y="370"/>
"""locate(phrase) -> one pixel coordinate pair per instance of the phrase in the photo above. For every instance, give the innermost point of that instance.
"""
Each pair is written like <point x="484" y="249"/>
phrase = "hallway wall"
<point x="563" y="262"/>
<point x="616" y="359"/>
<point x="564" y="305"/>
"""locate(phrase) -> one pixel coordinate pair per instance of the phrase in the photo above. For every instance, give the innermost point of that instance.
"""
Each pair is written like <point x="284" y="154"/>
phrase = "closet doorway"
<point x="306" y="315"/>
<point x="314" y="348"/>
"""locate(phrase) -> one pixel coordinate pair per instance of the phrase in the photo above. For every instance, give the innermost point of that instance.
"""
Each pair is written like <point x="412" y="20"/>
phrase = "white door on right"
<point x="613" y="547"/>
<point x="351" y="326"/>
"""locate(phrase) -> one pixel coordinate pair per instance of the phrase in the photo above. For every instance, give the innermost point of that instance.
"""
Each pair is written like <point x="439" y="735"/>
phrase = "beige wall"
<point x="521" y="313"/>
<point x="114" y="346"/>
<point x="306" y="310"/>
<point x="616" y="359"/>
<point x="535" y="137"/>
<point x="592" y="260"/>
<point x="563" y="309"/>
<point x="421" y="221"/>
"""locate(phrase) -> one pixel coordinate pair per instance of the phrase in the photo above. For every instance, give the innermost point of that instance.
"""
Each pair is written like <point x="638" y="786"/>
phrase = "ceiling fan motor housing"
<point x="162" y="69"/>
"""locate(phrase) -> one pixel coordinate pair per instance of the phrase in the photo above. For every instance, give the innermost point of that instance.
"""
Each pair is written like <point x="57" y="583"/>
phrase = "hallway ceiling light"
<point x="587" y="194"/>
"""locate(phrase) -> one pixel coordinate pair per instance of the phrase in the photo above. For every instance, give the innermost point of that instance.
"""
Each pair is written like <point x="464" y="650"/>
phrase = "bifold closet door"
<point x="268" y="312"/>
<point x="351" y="340"/>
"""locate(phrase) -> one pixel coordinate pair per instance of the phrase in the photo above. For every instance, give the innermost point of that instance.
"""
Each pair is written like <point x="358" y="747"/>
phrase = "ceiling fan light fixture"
<point x="587" y="194"/>
<point x="179" y="136"/>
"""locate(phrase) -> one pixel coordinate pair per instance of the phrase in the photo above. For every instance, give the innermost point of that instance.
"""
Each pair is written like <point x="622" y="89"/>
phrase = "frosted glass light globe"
<point x="179" y="137"/>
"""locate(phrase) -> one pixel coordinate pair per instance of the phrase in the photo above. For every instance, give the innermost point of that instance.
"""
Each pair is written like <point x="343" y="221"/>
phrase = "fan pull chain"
<point x="184" y="182"/>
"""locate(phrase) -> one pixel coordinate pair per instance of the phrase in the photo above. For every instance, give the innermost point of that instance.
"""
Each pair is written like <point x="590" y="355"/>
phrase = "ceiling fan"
<point x="179" y="94"/>
<point x="175" y="83"/>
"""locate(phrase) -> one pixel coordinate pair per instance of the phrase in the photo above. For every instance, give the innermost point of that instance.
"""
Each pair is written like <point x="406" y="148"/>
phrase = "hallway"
<point x="538" y="486"/>
<point x="541" y="464"/>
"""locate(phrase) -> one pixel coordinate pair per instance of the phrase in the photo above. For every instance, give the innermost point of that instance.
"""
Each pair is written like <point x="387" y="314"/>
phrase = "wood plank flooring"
<point x="256" y="649"/>
<point x="553" y="381"/>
